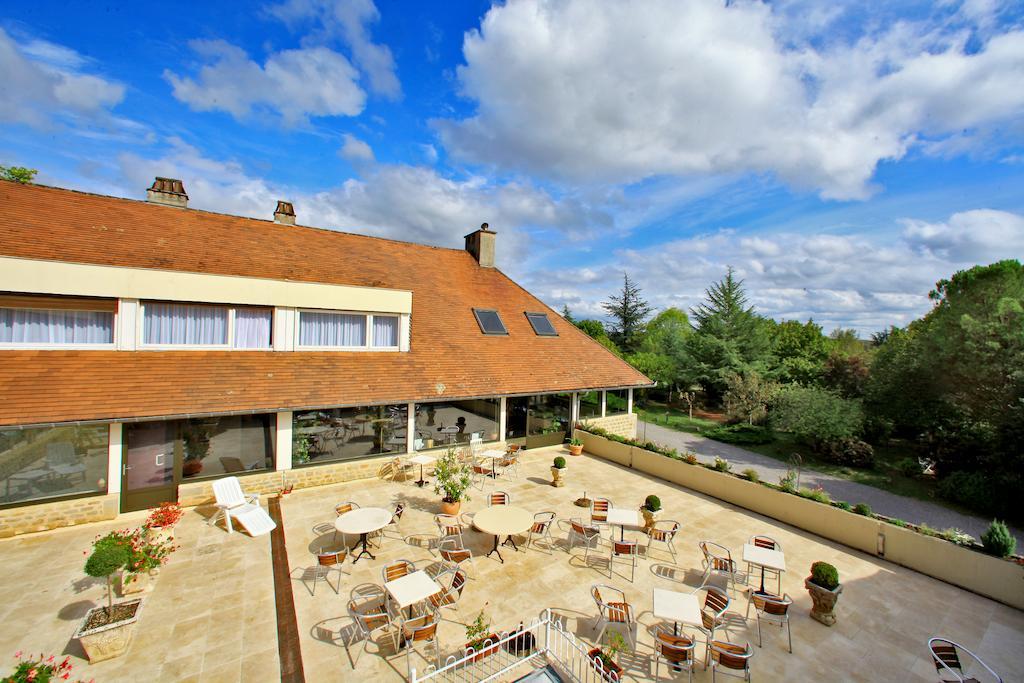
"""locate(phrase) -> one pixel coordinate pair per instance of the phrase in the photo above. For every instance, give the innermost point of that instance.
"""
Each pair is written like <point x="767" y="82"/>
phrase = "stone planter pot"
<point x="576" y="450"/>
<point x="159" y="534"/>
<point x="824" y="608"/>
<point x="109" y="640"/>
<point x="135" y="584"/>
<point x="450" y="508"/>
<point x="599" y="665"/>
<point x="649" y="517"/>
<point x="556" y="476"/>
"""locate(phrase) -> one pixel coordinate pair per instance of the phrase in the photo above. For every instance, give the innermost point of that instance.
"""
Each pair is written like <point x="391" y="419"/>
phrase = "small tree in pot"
<point x="557" y="469"/>
<point x="650" y="509"/>
<point x="824" y="587"/>
<point x="575" y="446"/>
<point x="107" y="631"/>
<point x="452" y="478"/>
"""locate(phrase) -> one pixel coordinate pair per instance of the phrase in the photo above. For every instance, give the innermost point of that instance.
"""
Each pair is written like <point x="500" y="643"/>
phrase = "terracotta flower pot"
<point x="109" y="640"/>
<point x="576" y="450"/>
<point x="450" y="508"/>
<point x="824" y="607"/>
<point x="612" y="667"/>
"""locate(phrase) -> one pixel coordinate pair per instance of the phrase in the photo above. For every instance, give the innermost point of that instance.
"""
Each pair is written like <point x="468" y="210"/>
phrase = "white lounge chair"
<point x="232" y="502"/>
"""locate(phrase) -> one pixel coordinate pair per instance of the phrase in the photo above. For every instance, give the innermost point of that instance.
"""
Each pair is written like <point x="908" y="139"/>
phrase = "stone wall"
<point x="42" y="516"/>
<point x="622" y="425"/>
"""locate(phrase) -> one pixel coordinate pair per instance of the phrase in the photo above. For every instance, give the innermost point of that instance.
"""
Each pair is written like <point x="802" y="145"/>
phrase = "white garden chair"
<point x="232" y="502"/>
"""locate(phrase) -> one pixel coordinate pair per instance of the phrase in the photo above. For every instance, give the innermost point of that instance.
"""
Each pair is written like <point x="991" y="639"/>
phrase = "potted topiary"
<point x="557" y="470"/>
<point x="604" y="661"/>
<point x="650" y="509"/>
<point x="106" y="632"/>
<point x="575" y="446"/>
<point x="480" y="640"/>
<point x="824" y="587"/>
<point x="452" y="478"/>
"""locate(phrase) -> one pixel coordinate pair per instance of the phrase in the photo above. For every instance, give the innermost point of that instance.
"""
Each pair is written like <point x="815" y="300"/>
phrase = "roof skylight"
<point x="541" y="325"/>
<point x="489" y="321"/>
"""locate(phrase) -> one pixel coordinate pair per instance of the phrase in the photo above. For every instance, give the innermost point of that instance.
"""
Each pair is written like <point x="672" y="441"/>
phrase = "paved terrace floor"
<point x="212" y="614"/>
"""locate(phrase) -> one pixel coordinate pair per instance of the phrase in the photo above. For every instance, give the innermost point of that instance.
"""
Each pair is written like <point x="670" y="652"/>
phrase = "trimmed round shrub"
<point x="998" y="540"/>
<point x="851" y="452"/>
<point x="751" y="474"/>
<point x="862" y="509"/>
<point x="843" y="505"/>
<point x="106" y="559"/>
<point x="825" y="575"/>
<point x="559" y="462"/>
<point x="652" y="503"/>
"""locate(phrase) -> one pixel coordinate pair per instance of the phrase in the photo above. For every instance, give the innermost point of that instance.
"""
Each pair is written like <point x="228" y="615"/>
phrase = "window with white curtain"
<point x="331" y="329"/>
<point x="37" y="326"/>
<point x="252" y="328"/>
<point x="385" y="331"/>
<point x="184" y="325"/>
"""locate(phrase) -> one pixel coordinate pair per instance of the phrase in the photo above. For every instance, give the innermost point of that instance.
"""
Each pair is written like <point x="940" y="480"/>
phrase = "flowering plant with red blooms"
<point x="167" y="515"/>
<point x="32" y="670"/>
<point x="144" y="555"/>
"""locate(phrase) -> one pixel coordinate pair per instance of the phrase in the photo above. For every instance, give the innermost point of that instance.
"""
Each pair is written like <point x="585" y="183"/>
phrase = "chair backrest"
<point x="426" y="630"/>
<point x="452" y="551"/>
<point x="731" y="656"/>
<point x="399" y="511"/>
<point x="599" y="509"/>
<point x="595" y="593"/>
<point x="448" y="525"/>
<point x="765" y="542"/>
<point x="458" y="581"/>
<point x="541" y="521"/>
<point x="228" y="491"/>
<point x="770" y="603"/>
<point x="512" y="448"/>
<point x="625" y="547"/>
<point x="580" y="528"/>
<point x="717" y="556"/>
<point x="397" y="570"/>
<point x="674" y="648"/>
<point x="330" y="559"/>
<point x="347" y="506"/>
<point x="499" y="498"/>
<point x="715" y="600"/>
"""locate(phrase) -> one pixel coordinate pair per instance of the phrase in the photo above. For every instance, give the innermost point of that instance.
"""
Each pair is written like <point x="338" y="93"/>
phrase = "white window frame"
<point x="68" y="347"/>
<point x="367" y="346"/>
<point x="140" y="320"/>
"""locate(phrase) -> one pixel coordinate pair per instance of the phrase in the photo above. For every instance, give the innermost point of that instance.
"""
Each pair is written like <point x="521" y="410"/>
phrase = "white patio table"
<point x="362" y="521"/>
<point x="503" y="520"/>
<point x="764" y="558"/>
<point x="622" y="518"/>
<point x="410" y="589"/>
<point x="422" y="460"/>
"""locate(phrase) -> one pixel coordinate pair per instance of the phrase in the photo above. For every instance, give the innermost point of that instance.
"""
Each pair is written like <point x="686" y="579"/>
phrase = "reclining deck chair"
<point x="232" y="502"/>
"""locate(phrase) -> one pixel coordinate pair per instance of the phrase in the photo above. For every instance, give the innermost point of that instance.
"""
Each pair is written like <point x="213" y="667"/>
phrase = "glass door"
<point x="148" y="460"/>
<point x="517" y="409"/>
<point x="548" y="420"/>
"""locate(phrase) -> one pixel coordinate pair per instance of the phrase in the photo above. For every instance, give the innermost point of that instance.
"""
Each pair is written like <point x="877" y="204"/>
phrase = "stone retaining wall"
<point x="42" y="516"/>
<point x="620" y="425"/>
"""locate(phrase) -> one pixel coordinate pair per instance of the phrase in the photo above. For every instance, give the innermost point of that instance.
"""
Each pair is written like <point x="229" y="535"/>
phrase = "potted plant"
<point x="575" y="446"/>
<point x="145" y="557"/>
<point x="32" y="670"/>
<point x="451" y="481"/>
<point x="606" y="659"/>
<point x="557" y="469"/>
<point x="480" y="639"/>
<point x="106" y="631"/>
<point x="650" y="509"/>
<point x="824" y="587"/>
<point x="160" y="523"/>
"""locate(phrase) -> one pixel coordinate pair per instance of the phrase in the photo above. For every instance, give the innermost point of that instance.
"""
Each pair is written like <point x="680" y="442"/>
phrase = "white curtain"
<point x="331" y="329"/>
<point x="185" y="324"/>
<point x="30" y="326"/>
<point x="385" y="330"/>
<point x="252" y="328"/>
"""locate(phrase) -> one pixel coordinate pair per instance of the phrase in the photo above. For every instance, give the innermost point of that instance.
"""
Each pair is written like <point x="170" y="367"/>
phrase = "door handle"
<point x="159" y="459"/>
<point x="125" y="468"/>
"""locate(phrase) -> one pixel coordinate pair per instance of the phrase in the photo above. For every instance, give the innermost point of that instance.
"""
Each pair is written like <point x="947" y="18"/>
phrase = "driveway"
<point x="893" y="505"/>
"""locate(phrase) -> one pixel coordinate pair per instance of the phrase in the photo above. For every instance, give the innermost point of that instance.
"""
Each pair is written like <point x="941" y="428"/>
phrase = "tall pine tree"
<point x="629" y="312"/>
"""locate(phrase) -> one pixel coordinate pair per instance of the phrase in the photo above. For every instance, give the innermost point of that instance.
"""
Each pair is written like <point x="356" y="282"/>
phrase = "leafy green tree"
<point x="747" y="396"/>
<point x="593" y="328"/>
<point x="629" y="312"/>
<point x="800" y="349"/>
<point x="815" y="415"/>
<point x="567" y="314"/>
<point x="18" y="174"/>
<point x="664" y="350"/>
<point x="847" y="374"/>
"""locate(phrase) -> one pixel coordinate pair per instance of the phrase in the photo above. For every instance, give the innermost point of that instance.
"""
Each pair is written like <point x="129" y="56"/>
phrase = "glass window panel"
<point x="616" y="402"/>
<point x="549" y="413"/>
<point x="590" y="404"/>
<point x="206" y="447"/>
<point x="439" y="425"/>
<point x="48" y="462"/>
<point x="331" y="329"/>
<point x="385" y="331"/>
<point x="541" y="325"/>
<point x="34" y="326"/>
<point x="252" y="328"/>
<point x="489" y="321"/>
<point x="184" y="324"/>
<point x="332" y="434"/>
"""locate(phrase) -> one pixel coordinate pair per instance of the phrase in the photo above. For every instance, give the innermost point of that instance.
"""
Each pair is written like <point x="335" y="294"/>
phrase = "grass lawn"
<point x="673" y="418"/>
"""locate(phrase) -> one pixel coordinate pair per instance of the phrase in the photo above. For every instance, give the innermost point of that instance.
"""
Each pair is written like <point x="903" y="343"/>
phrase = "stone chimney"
<point x="480" y="244"/>
<point x="284" y="213"/>
<point x="167" y="191"/>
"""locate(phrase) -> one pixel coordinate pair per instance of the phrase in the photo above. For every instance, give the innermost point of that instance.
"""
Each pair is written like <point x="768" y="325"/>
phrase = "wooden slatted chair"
<point x="716" y="602"/>
<point x="448" y="525"/>
<point x="326" y="562"/>
<point x="397" y="569"/>
<point x="452" y="582"/>
<point x="676" y="650"/>
<point x="421" y="629"/>
<point x="341" y="509"/>
<point x="588" y="533"/>
<point x="599" y="508"/>
<point x="453" y="552"/>
<point x="946" y="655"/>
<point x="730" y="660"/>
<point x="542" y="522"/>
<point x="498" y="498"/>
<point x="663" y="531"/>
<point x="621" y="549"/>
<point x="718" y="561"/>
<point x="616" y="612"/>
<point x="772" y="608"/>
<point x="367" y="607"/>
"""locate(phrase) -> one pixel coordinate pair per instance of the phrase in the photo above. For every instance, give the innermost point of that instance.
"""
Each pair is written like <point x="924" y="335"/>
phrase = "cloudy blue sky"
<point x="841" y="156"/>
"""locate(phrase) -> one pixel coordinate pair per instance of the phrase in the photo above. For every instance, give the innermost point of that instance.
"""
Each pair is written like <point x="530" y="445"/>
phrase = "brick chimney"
<point x="284" y="213"/>
<point x="480" y="244"/>
<point x="167" y="191"/>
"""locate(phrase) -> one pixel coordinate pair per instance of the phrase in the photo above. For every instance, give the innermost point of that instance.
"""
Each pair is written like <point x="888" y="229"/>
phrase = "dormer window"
<point x="541" y="325"/>
<point x="489" y="321"/>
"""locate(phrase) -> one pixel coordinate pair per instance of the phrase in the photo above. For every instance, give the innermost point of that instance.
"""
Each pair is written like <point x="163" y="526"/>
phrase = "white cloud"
<point x="297" y="84"/>
<point x="354" y="149"/>
<point x="969" y="235"/>
<point x="44" y="84"/>
<point x="348" y="20"/>
<point x="612" y="92"/>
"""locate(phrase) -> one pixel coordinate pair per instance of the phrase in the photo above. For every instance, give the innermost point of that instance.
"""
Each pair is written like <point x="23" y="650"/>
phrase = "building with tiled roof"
<point x="146" y="348"/>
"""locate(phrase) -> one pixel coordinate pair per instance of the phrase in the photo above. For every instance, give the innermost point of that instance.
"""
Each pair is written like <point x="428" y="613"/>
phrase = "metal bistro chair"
<point x="716" y="602"/>
<point x="588" y="534"/>
<point x="628" y="549"/>
<point x="326" y="562"/>
<point x="675" y="650"/>
<point x="510" y="463"/>
<point x="718" y="562"/>
<point x="452" y="582"/>
<point x="599" y="508"/>
<point x="397" y="569"/>
<point x="771" y="608"/>
<point x="727" y="658"/>
<point x="542" y="522"/>
<point x="454" y="554"/>
<point x="367" y="608"/>
<point x="448" y="525"/>
<point x="946" y="655"/>
<point x="663" y="531"/>
<point x="498" y="498"/>
<point x="771" y="544"/>
<point x="340" y="509"/>
<point x="616" y="612"/>
<point x="421" y="629"/>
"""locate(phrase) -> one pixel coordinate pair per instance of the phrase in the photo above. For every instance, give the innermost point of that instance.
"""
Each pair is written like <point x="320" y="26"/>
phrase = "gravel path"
<point x="893" y="505"/>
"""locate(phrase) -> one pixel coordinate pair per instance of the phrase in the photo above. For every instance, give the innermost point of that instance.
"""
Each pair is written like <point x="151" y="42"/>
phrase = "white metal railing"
<point x="542" y="641"/>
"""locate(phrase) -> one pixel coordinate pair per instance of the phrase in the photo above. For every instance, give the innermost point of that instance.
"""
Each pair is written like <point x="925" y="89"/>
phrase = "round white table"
<point x="503" y="520"/>
<point x="362" y="521"/>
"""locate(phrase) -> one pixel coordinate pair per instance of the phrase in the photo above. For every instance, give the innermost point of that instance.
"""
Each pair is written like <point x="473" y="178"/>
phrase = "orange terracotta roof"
<point x="447" y="347"/>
